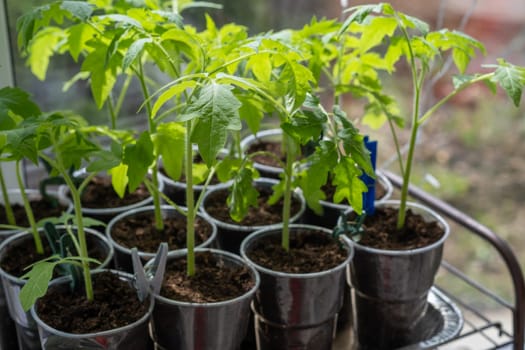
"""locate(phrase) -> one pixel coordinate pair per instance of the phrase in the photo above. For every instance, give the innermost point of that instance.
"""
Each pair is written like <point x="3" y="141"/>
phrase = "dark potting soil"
<point x="270" y="147"/>
<point x="115" y="305"/>
<point x="380" y="231"/>
<point x="139" y="231"/>
<point x="99" y="193"/>
<point x="214" y="280"/>
<point x="17" y="258"/>
<point x="41" y="209"/>
<point x="310" y="251"/>
<point x="263" y="214"/>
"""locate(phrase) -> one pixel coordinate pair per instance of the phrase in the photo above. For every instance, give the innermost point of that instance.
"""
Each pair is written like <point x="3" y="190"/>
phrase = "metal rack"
<point x="481" y="330"/>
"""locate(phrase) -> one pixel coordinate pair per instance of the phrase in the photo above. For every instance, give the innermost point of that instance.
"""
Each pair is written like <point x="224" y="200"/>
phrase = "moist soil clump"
<point x="310" y="252"/>
<point x="99" y="193"/>
<point x="380" y="231"/>
<point x="115" y="305"/>
<point x="41" y="209"/>
<point x="215" y="280"/>
<point x="139" y="231"/>
<point x="262" y="214"/>
<point x="17" y="258"/>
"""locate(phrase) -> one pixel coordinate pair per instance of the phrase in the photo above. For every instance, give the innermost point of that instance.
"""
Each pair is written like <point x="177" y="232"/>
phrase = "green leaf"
<point x="217" y="110"/>
<point x="377" y="29"/>
<point x="359" y="14"/>
<point x="17" y="101"/>
<point x="103" y="161"/>
<point x="305" y="125"/>
<point x="78" y="9"/>
<point x="134" y="51"/>
<point x="200" y="173"/>
<point x="310" y="180"/>
<point x="243" y="194"/>
<point x="348" y="184"/>
<point x="511" y="78"/>
<point x="138" y="157"/>
<point x="169" y="144"/>
<point x="119" y="179"/>
<point x="78" y="36"/>
<point x="252" y="112"/>
<point x="41" y="48"/>
<point x="261" y="67"/>
<point x="36" y="286"/>
<point x="171" y="92"/>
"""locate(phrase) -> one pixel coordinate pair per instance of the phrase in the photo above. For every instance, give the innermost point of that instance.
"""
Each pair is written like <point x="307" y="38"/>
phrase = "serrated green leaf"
<point x="119" y="179"/>
<point x="359" y="14"/>
<point x="17" y="101"/>
<point x="138" y="157"/>
<point x="261" y="66"/>
<point x="171" y="92"/>
<point x="41" y="48"/>
<point x="169" y="144"/>
<point x="305" y="125"/>
<point x="78" y="36"/>
<point x="511" y="78"/>
<point x="217" y="110"/>
<point x="227" y="168"/>
<point x="78" y="9"/>
<point x="252" y="112"/>
<point x="36" y="286"/>
<point x="243" y="194"/>
<point x="103" y="161"/>
<point x="134" y="51"/>
<point x="377" y="29"/>
<point x="348" y="184"/>
<point x="199" y="173"/>
<point x="310" y="180"/>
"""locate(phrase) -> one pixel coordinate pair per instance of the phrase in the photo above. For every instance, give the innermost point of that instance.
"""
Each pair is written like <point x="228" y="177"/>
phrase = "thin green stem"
<point x="29" y="211"/>
<point x="190" y="217"/>
<point x="416" y="82"/>
<point x="287" y="193"/>
<point x="112" y="114"/>
<point x="7" y="204"/>
<point x="159" y="222"/>
<point x="83" y="252"/>
<point x="122" y="94"/>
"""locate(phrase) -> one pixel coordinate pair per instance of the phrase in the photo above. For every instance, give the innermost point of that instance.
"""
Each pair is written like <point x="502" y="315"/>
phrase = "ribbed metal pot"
<point x="272" y="135"/>
<point x="133" y="336"/>
<point x="24" y="322"/>
<point x="299" y="309"/>
<point x="203" y="326"/>
<point x="390" y="287"/>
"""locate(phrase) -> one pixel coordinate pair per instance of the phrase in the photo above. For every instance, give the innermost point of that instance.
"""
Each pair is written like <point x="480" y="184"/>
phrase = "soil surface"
<point x="18" y="257"/>
<point x="115" y="305"/>
<point x="310" y="251"/>
<point x="139" y="231"/>
<point x="41" y="209"/>
<point x="263" y="214"/>
<point x="214" y="280"/>
<point x="380" y="231"/>
<point x="99" y="193"/>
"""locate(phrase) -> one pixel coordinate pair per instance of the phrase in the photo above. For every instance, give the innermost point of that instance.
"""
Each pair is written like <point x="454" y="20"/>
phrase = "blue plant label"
<point x="369" y="196"/>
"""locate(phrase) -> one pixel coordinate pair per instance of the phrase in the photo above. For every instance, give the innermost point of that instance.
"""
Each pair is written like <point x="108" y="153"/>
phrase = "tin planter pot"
<point x="25" y="325"/>
<point x="204" y="326"/>
<point x="271" y="135"/>
<point x="230" y="235"/>
<point x="122" y="256"/>
<point x="390" y="287"/>
<point x="133" y="336"/>
<point x="332" y="211"/>
<point x="296" y="311"/>
<point x="8" y="338"/>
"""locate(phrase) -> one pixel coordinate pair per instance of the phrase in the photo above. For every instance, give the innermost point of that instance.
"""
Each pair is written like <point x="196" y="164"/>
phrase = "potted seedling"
<point x="65" y="141"/>
<point x="198" y="108"/>
<point x="391" y="277"/>
<point x="310" y="308"/>
<point x="33" y="138"/>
